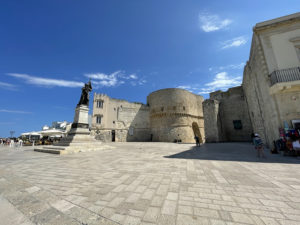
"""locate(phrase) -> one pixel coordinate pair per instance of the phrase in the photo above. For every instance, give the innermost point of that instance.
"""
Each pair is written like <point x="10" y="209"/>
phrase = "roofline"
<point x="274" y="22"/>
<point x="180" y="89"/>
<point x="117" y="99"/>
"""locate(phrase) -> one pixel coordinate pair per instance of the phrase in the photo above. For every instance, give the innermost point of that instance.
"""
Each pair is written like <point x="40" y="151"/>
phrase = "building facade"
<point x="119" y="120"/>
<point x="170" y="115"/>
<point x="271" y="79"/>
<point x="270" y="93"/>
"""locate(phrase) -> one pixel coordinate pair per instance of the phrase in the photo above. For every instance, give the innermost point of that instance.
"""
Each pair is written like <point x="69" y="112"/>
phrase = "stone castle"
<point x="268" y="97"/>
<point x="171" y="114"/>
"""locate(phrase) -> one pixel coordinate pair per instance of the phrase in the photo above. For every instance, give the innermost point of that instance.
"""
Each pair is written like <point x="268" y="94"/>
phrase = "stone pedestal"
<point x="80" y="124"/>
<point x="78" y="139"/>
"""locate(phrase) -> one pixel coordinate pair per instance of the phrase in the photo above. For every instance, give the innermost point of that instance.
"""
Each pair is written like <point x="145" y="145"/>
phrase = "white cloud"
<point x="100" y="76"/>
<point x="114" y="79"/>
<point x="191" y="88"/>
<point x="231" y="68"/>
<point x="98" y="79"/>
<point x="101" y="79"/>
<point x="217" y="69"/>
<point x="142" y="81"/>
<point x="8" y="86"/>
<point x="235" y="42"/>
<point x="212" y="22"/>
<point x="14" y="111"/>
<point x="133" y="76"/>
<point x="40" y="81"/>
<point x="185" y="87"/>
<point x="138" y="82"/>
<point x="221" y="82"/>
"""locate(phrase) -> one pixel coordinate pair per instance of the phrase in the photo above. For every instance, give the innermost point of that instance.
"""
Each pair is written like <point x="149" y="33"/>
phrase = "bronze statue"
<point x="85" y="97"/>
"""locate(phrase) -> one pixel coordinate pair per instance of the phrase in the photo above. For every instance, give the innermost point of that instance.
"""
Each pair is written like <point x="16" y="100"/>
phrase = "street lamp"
<point x="12" y="132"/>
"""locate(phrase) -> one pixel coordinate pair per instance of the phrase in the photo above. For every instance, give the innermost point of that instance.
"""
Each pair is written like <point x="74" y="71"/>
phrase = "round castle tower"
<point x="176" y="115"/>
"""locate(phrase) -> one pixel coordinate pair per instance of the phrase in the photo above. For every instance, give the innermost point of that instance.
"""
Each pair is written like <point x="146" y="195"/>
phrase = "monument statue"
<point x="85" y="97"/>
<point x="78" y="138"/>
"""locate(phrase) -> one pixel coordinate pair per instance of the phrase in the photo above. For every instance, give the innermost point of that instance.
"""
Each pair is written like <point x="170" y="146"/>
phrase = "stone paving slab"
<point x="150" y="183"/>
<point x="10" y="215"/>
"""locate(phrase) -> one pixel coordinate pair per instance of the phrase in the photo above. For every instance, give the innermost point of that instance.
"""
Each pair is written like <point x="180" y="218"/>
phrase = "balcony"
<point x="286" y="80"/>
<point x="285" y="75"/>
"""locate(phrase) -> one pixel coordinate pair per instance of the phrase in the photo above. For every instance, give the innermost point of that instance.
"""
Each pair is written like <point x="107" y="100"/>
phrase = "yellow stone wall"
<point x="172" y="113"/>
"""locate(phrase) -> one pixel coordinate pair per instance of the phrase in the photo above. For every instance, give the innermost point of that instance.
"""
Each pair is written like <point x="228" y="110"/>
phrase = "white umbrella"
<point x="52" y="132"/>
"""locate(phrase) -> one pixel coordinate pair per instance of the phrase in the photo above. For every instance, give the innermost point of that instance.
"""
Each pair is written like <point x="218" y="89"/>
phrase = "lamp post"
<point x="12" y="132"/>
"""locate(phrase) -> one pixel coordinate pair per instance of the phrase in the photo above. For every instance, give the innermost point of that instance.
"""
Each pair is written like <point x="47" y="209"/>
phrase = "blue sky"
<point x="48" y="49"/>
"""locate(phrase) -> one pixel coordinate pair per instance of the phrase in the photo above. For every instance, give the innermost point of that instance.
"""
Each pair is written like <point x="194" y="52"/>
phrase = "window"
<point x="131" y="131"/>
<point x="237" y="124"/>
<point x="98" y="119"/>
<point x="100" y="104"/>
<point x="183" y="107"/>
<point x="162" y="109"/>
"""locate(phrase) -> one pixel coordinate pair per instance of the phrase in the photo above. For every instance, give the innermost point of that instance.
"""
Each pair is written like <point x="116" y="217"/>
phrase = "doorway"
<point x="196" y="131"/>
<point x="113" y="135"/>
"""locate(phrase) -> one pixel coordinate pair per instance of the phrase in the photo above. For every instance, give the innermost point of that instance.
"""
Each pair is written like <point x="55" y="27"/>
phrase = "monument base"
<point x="63" y="150"/>
<point x="78" y="139"/>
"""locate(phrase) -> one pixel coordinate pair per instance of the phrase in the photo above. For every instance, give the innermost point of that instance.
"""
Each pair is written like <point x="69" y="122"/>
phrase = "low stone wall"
<point x="122" y="135"/>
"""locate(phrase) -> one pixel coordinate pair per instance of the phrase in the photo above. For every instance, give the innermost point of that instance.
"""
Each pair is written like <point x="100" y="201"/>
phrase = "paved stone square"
<point x="150" y="183"/>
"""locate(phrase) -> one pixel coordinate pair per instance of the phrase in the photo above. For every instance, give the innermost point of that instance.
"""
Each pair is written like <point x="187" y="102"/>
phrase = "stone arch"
<point x="196" y="131"/>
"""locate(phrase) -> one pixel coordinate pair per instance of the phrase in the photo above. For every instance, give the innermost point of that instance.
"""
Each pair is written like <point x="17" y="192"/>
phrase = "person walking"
<point x="20" y="143"/>
<point x="12" y="143"/>
<point x="259" y="146"/>
<point x="252" y="138"/>
<point x="197" y="141"/>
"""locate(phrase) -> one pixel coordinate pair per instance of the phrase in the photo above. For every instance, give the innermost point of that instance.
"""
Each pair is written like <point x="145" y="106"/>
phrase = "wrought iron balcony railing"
<point x="285" y="75"/>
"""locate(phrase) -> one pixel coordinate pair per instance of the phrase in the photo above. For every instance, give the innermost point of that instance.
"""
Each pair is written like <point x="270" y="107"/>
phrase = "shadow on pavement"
<point x="242" y="152"/>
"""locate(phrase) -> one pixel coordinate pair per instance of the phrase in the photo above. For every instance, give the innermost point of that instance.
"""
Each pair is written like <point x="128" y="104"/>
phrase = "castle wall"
<point x="226" y="116"/>
<point x="211" y="120"/>
<point x="262" y="109"/>
<point x="128" y="121"/>
<point x="172" y="114"/>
